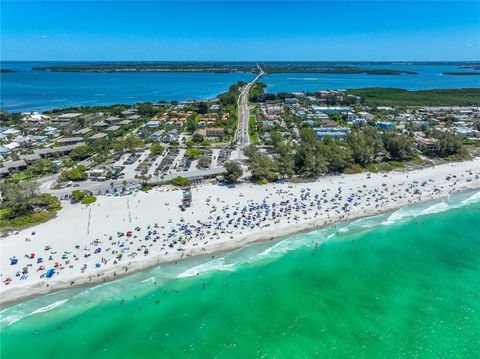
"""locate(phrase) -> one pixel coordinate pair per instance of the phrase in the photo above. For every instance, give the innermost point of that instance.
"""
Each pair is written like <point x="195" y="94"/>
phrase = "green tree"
<point x="19" y="198"/>
<point x="156" y="149"/>
<point x="202" y="107"/>
<point x="285" y="160"/>
<point x="233" y="171"/>
<point x="204" y="162"/>
<point x="399" y="147"/>
<point x="146" y="109"/>
<point x="193" y="152"/>
<point x="81" y="153"/>
<point x="181" y="181"/>
<point x="197" y="138"/>
<point x="77" y="195"/>
<point x="448" y="144"/>
<point x="75" y="174"/>
<point x="190" y="125"/>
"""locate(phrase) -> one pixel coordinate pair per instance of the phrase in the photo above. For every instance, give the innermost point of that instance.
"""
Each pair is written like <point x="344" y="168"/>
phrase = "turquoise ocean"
<point x="29" y="90"/>
<point x="404" y="284"/>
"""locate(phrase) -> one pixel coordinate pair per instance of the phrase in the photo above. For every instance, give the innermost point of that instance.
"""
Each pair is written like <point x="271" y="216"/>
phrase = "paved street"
<point x="241" y="136"/>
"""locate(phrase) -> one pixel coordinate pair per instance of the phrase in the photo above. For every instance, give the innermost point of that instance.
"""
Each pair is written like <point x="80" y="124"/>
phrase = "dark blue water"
<point x="41" y="90"/>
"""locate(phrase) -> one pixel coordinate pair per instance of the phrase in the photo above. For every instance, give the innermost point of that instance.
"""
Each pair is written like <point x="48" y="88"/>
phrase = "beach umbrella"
<point x="50" y="272"/>
<point x="13" y="261"/>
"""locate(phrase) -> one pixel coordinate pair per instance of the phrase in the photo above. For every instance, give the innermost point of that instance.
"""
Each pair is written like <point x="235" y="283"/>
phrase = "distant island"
<point x="8" y="70"/>
<point x="460" y="73"/>
<point x="149" y="67"/>
<point x="269" y="68"/>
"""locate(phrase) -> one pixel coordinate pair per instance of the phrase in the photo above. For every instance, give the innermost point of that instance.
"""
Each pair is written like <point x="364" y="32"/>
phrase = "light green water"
<point x="405" y="290"/>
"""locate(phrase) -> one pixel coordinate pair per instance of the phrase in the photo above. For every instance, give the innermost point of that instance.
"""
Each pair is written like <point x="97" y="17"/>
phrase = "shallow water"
<point x="403" y="284"/>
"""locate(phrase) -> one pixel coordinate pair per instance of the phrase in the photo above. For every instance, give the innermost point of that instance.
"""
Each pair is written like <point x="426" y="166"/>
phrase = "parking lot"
<point x="143" y="165"/>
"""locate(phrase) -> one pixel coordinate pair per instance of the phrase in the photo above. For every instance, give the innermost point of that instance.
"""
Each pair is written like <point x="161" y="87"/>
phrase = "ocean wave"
<point x="16" y="315"/>
<point x="48" y="307"/>
<point x="214" y="265"/>
<point x="452" y="202"/>
<point x="473" y="198"/>
<point x="436" y="208"/>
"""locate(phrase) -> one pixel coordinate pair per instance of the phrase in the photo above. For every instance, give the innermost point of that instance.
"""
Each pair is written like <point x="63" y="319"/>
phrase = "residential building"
<point x="339" y="134"/>
<point x="67" y="117"/>
<point x="97" y="136"/>
<point x="66" y="141"/>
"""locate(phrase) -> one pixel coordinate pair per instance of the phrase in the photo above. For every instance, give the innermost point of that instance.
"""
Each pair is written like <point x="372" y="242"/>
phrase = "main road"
<point x="241" y="135"/>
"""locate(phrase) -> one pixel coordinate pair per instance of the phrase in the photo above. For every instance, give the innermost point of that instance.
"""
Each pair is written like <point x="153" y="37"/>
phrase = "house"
<point x="134" y="117"/>
<point x="112" y="129"/>
<point x="29" y="159"/>
<point x="339" y="134"/>
<point x="11" y="132"/>
<point x="157" y="136"/>
<point x="329" y="123"/>
<point x="34" y="117"/>
<point x="125" y="122"/>
<point x="97" y="136"/>
<point x="66" y="141"/>
<point x="465" y="132"/>
<point x="130" y="111"/>
<point x="271" y="117"/>
<point x="4" y="150"/>
<point x="367" y="116"/>
<point x="23" y="140"/>
<point x="100" y="125"/>
<point x="39" y="139"/>
<point x="331" y="109"/>
<point x="359" y="122"/>
<point x="68" y="117"/>
<point x="47" y="152"/>
<point x="152" y="124"/>
<point x="291" y="101"/>
<point x="426" y="143"/>
<point x="51" y="131"/>
<point x="82" y="132"/>
<point x="12" y="146"/>
<point x="15" y="166"/>
<point x="113" y="120"/>
<point x="213" y="132"/>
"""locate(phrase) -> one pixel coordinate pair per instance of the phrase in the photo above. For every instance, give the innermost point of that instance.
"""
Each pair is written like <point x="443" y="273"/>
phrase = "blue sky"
<point x="341" y="30"/>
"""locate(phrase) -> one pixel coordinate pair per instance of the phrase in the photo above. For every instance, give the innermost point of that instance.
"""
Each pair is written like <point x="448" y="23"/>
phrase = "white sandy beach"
<point x="87" y="245"/>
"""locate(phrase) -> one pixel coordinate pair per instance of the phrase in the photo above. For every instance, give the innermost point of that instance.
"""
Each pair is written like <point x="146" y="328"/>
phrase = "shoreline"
<point x="27" y="291"/>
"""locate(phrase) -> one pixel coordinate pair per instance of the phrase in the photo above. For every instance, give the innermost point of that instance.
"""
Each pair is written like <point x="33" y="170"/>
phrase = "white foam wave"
<point x="436" y="208"/>
<point x="47" y="307"/>
<point x="151" y="279"/>
<point x="18" y="315"/>
<point x="473" y="198"/>
<point x="214" y="265"/>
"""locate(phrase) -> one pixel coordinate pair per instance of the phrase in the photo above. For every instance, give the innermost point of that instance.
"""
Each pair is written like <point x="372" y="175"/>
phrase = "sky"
<point x="240" y="30"/>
